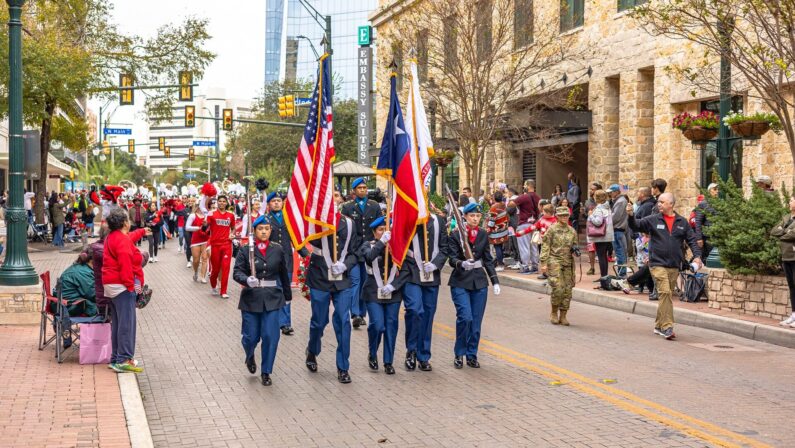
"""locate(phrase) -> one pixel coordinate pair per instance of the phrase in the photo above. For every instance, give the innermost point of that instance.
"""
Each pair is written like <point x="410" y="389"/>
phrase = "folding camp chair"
<point x="55" y="312"/>
<point x="37" y="232"/>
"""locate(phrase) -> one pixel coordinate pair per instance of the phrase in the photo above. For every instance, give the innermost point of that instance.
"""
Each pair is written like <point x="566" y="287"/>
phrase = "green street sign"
<point x="365" y="35"/>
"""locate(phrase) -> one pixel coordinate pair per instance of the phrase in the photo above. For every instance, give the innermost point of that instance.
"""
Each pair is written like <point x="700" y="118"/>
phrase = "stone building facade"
<point x="632" y="98"/>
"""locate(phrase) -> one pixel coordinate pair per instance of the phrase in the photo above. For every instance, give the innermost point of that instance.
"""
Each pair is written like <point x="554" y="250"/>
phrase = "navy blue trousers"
<point x="420" y="304"/>
<point x="122" y="327"/>
<point x="265" y="327"/>
<point x="470" y="305"/>
<point x="285" y="315"/>
<point x="383" y="323"/>
<point x="358" y="275"/>
<point x="320" y="301"/>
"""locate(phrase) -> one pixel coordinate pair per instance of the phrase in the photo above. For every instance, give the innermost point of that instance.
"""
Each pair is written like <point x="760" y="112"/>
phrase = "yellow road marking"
<point x="596" y="389"/>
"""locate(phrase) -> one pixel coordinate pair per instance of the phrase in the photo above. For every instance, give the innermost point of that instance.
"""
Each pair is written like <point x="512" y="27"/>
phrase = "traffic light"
<point x="131" y="146"/>
<point x="161" y="143"/>
<point x="126" y="93"/>
<point x="290" y="100"/>
<point x="105" y="147"/>
<point x="167" y="152"/>
<point x="282" y="107"/>
<point x="185" y="86"/>
<point x="227" y="119"/>
<point x="191" y="154"/>
<point x="190" y="116"/>
<point x="72" y="173"/>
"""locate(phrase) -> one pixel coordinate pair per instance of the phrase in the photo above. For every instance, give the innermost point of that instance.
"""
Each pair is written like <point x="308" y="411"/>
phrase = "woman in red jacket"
<point x="122" y="278"/>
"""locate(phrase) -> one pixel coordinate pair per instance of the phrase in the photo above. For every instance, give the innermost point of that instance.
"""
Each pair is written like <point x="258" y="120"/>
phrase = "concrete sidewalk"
<point x="697" y="314"/>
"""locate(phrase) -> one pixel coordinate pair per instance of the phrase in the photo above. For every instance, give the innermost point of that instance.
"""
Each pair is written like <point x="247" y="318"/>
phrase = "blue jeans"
<point x="261" y="326"/>
<point x="285" y="315"/>
<point x="620" y="249"/>
<point x="319" y="301"/>
<point x="470" y="305"/>
<point x="57" y="238"/>
<point x="420" y="304"/>
<point x="122" y="327"/>
<point x="181" y="233"/>
<point x="383" y="322"/>
<point x="358" y="275"/>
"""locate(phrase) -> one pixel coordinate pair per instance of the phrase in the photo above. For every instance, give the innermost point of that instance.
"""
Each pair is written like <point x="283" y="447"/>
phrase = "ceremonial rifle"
<point x="459" y="224"/>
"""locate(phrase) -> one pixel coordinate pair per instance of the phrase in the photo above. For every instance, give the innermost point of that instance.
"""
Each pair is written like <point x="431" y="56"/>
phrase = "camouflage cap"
<point x="562" y="211"/>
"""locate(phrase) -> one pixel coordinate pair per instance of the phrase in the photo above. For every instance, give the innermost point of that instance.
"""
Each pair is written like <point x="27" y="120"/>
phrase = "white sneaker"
<point x="499" y="268"/>
<point x="204" y="279"/>
<point x="189" y="265"/>
<point x="214" y="291"/>
<point x="179" y="249"/>
<point x="154" y="259"/>
<point x="788" y="322"/>
<point x="515" y="267"/>
<point x="792" y="325"/>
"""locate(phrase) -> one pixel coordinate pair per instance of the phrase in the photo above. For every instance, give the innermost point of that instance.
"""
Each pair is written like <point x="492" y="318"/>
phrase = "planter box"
<point x="757" y="295"/>
<point x="699" y="134"/>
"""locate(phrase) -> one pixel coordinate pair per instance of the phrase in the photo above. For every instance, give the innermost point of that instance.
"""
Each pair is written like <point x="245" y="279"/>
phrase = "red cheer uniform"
<point x="220" y="225"/>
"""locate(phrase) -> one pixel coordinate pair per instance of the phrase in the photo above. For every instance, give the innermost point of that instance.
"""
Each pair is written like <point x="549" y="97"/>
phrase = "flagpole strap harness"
<point x="325" y="252"/>
<point x="415" y="244"/>
<point x="374" y="270"/>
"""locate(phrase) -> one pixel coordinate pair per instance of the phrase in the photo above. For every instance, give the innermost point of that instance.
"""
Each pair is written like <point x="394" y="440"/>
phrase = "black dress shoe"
<point x="251" y="363"/>
<point x="356" y="322"/>
<point x="311" y="361"/>
<point x="266" y="379"/>
<point x="389" y="369"/>
<point x="411" y="360"/>
<point x="287" y="330"/>
<point x="343" y="376"/>
<point x="458" y="362"/>
<point x="425" y="366"/>
<point x="372" y="361"/>
<point x="473" y="362"/>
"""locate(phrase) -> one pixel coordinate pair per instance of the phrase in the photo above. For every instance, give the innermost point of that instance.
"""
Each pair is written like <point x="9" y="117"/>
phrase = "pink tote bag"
<point x="95" y="346"/>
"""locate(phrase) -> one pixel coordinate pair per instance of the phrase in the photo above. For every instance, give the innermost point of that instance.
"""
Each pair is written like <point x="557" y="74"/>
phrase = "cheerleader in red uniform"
<point x="198" y="244"/>
<point x="220" y="224"/>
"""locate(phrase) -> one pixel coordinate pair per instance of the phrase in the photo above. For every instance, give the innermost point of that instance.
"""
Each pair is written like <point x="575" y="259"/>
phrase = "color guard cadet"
<point x="279" y="234"/>
<point x="382" y="297"/>
<point x="266" y="290"/>
<point x="421" y="292"/>
<point x="468" y="284"/>
<point x="328" y="281"/>
<point x="363" y="212"/>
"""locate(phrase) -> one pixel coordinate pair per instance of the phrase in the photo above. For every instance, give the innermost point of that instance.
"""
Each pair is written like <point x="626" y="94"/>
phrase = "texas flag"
<point x="397" y="162"/>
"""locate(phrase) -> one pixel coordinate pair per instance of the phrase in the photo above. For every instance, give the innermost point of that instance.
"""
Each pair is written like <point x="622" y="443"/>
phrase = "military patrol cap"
<point x="272" y="196"/>
<point x="471" y="208"/>
<point x="262" y="219"/>
<point x="356" y="182"/>
<point x="562" y="211"/>
<point x="378" y="222"/>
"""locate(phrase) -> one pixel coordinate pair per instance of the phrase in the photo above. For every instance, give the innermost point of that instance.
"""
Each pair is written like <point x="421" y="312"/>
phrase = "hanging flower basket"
<point x="444" y="158"/>
<point x="700" y="134"/>
<point x="751" y="129"/>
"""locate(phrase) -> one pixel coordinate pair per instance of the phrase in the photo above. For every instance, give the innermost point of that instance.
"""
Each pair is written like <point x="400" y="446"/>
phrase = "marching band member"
<point x="382" y="298"/>
<point x="220" y="224"/>
<point x="421" y="292"/>
<point x="468" y="285"/>
<point x="266" y="290"/>
<point x="329" y="282"/>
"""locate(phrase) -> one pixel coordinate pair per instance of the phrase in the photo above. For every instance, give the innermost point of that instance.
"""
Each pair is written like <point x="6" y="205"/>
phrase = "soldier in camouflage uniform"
<point x="557" y="262"/>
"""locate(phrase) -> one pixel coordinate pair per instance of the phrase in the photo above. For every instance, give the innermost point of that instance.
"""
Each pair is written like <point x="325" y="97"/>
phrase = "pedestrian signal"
<point x="131" y="146"/>
<point x="161" y="143"/>
<point x="185" y="86"/>
<point x="191" y="154"/>
<point x="190" y="116"/>
<point x="227" y="119"/>
<point x="126" y="93"/>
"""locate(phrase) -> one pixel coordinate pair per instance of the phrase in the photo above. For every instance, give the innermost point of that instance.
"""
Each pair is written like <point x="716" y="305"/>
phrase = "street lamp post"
<point x="17" y="270"/>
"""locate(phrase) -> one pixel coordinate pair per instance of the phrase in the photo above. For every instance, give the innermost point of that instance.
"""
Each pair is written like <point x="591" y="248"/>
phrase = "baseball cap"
<point x="614" y="187"/>
<point x="711" y="186"/>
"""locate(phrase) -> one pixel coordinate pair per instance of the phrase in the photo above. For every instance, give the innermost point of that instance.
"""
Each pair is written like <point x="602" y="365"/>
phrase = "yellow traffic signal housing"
<point x="161" y="143"/>
<point x="105" y="147"/>
<point x="283" y="107"/>
<point x="227" y="119"/>
<point x="290" y="105"/>
<point x="131" y="146"/>
<point x="190" y="116"/>
<point x="185" y="86"/>
<point x="191" y="154"/>
<point x="126" y="93"/>
<point x="72" y="173"/>
<point x="167" y="152"/>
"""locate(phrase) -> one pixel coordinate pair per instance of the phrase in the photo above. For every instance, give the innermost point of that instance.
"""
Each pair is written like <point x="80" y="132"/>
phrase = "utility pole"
<point x="217" y="140"/>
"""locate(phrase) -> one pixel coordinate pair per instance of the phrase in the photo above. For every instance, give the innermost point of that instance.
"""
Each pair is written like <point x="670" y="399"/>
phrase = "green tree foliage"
<point x="72" y="49"/>
<point x="740" y="229"/>
<point x="124" y="167"/>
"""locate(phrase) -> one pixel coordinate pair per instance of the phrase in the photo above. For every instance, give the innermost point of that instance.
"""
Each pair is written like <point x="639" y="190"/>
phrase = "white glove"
<point x="478" y="264"/>
<point x="386" y="237"/>
<point x="468" y="265"/>
<point x="387" y="290"/>
<point x="428" y="267"/>
<point x="497" y="289"/>
<point x="252" y="282"/>
<point x="338" y="268"/>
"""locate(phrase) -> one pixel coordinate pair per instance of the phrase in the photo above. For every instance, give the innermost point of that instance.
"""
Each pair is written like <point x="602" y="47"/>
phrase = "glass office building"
<point x="288" y="57"/>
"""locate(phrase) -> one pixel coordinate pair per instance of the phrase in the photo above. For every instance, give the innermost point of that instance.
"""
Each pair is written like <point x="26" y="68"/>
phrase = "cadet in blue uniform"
<point x="421" y="292"/>
<point x="469" y="285"/>
<point x="382" y="298"/>
<point x="322" y="291"/>
<point x="263" y="295"/>
<point x="362" y="212"/>
<point x="279" y="234"/>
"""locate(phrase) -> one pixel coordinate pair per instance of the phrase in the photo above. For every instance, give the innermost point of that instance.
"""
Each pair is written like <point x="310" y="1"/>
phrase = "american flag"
<point x="310" y="210"/>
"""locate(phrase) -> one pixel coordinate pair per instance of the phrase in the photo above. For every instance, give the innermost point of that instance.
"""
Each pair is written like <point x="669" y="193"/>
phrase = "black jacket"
<point x="665" y="248"/>
<point x="373" y="251"/>
<point x="362" y="220"/>
<point x="440" y="258"/>
<point x="279" y="234"/>
<point x="647" y="207"/>
<point x="476" y="278"/>
<point x="273" y="266"/>
<point x="703" y="212"/>
<point x="318" y="272"/>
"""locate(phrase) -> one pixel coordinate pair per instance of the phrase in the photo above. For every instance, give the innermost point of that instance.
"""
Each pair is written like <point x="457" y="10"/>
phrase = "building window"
<point x="528" y="165"/>
<point x="451" y="175"/>
<point x="522" y="23"/>
<point x="484" y="8"/>
<point x="572" y="14"/>
<point x="422" y="54"/>
<point x="623" y="5"/>
<point x="451" y="44"/>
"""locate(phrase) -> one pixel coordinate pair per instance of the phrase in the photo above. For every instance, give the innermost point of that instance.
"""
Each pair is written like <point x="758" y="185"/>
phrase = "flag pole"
<point x="419" y="168"/>
<point x="386" y="249"/>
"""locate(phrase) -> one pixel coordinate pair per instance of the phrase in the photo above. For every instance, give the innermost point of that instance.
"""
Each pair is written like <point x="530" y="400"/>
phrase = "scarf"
<point x="263" y="247"/>
<point x="472" y="232"/>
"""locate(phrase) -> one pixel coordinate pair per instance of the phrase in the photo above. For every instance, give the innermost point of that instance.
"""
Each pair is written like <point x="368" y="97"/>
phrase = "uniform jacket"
<point x="785" y="232"/>
<point x="362" y="220"/>
<point x="556" y="245"/>
<point x="373" y="251"/>
<point x="476" y="278"/>
<point x="279" y="234"/>
<point x="317" y="272"/>
<point x="441" y="252"/>
<point x="273" y="267"/>
<point x="665" y="248"/>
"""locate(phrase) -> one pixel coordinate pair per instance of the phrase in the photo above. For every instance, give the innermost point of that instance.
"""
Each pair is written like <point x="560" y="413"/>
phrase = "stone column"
<point x="603" y="138"/>
<point x="636" y="128"/>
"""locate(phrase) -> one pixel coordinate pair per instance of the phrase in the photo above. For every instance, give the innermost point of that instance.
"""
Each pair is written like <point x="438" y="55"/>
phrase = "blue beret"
<point x="262" y="219"/>
<point x="377" y="223"/>
<point x="272" y="195"/>
<point x="356" y="182"/>
<point x="471" y="208"/>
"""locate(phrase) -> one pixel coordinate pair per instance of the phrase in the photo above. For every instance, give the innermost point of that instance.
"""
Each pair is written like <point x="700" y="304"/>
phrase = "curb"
<point x="137" y="424"/>
<point x="737" y="327"/>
